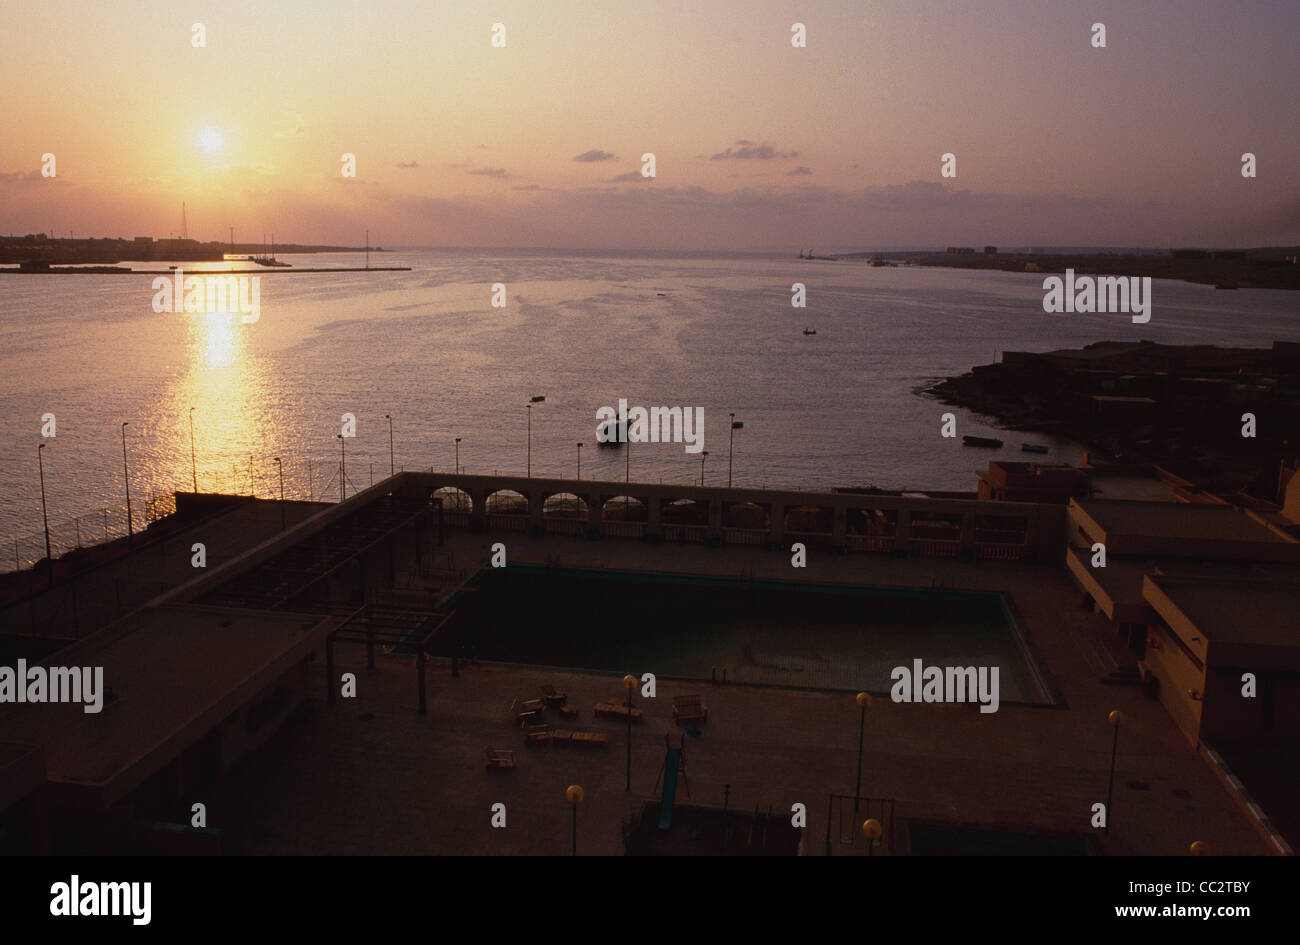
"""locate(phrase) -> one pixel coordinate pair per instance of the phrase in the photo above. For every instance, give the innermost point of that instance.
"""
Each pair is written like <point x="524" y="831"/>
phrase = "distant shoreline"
<point x="1228" y="269"/>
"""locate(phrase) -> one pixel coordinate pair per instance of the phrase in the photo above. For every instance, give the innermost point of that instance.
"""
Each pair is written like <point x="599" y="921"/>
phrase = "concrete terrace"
<point x="373" y="775"/>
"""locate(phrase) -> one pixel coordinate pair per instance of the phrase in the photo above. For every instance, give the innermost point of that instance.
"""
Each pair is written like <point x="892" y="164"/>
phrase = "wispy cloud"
<point x="407" y="165"/>
<point x="749" y="151"/>
<point x="630" y="176"/>
<point x="799" y="172"/>
<point x="489" y="172"/>
<point x="595" y="154"/>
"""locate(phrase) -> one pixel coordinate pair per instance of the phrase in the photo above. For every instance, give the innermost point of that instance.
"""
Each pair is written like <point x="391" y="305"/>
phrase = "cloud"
<point x="489" y="172"/>
<point x="749" y="151"/>
<point x="529" y="187"/>
<point x="595" y="154"/>
<point x="406" y="165"/>
<point x="799" y="172"/>
<point x="633" y="176"/>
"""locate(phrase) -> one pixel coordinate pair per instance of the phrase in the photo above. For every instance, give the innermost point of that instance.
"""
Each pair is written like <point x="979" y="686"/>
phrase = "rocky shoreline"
<point x="1178" y="407"/>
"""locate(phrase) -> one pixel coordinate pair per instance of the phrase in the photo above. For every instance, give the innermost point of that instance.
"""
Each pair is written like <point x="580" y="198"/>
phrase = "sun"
<point x="211" y="140"/>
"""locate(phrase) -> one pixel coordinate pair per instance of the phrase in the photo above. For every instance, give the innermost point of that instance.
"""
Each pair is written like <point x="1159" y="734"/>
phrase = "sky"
<point x="758" y="145"/>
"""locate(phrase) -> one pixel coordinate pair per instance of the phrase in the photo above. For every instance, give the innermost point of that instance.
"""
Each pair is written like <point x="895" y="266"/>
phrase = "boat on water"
<point x="985" y="441"/>
<point x="1032" y="448"/>
<point x="809" y="255"/>
<point x="810" y="331"/>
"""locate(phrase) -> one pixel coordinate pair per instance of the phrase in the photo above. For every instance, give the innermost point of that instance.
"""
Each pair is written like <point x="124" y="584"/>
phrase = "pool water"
<point x="816" y="636"/>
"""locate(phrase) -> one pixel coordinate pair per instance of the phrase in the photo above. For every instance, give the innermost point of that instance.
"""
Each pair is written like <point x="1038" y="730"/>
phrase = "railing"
<point x="877" y="543"/>
<point x="623" y="529"/>
<point x="565" y="526"/>
<point x="744" y="536"/>
<point x="685" y="532"/>
<point x="501" y="521"/>
<point x="996" y="551"/>
<point x="936" y="547"/>
<point x="86" y="531"/>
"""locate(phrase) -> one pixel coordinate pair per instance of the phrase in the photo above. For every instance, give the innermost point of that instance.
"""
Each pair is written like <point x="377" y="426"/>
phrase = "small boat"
<point x="987" y="441"/>
<point x="810" y="331"/>
<point x="1032" y="448"/>
<point x="662" y="295"/>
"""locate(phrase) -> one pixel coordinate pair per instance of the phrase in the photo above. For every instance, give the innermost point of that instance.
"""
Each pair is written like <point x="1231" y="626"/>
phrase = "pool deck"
<point x="400" y="782"/>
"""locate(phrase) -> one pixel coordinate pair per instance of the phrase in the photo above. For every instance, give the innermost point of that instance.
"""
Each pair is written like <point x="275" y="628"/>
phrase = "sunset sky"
<point x="758" y="145"/>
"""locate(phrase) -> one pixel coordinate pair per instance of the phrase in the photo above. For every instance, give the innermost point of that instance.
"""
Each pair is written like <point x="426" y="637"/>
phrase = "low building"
<point x="1223" y="655"/>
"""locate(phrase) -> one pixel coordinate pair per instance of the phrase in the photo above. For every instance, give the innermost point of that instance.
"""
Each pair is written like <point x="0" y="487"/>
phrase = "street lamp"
<point x="863" y="700"/>
<point x="1200" y="848"/>
<point x="194" y="463"/>
<point x="629" y="683"/>
<point x="281" y="466"/>
<point x="40" y="463"/>
<point x="735" y="425"/>
<point x="872" y="830"/>
<point x="126" y="477"/>
<point x="579" y="460"/>
<point x="392" y="468"/>
<point x="534" y="400"/>
<point x="703" y="457"/>
<point x="1116" y="719"/>
<point x="458" y="456"/>
<point x="343" y="468"/>
<point x="573" y="794"/>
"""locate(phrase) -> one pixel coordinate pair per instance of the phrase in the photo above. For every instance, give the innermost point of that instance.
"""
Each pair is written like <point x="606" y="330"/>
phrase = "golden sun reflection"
<point x="221" y="337"/>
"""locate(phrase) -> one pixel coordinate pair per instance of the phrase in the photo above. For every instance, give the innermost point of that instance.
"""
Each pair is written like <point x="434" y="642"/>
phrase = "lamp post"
<point x="579" y="460"/>
<point x="1200" y="848"/>
<point x="703" y="457"/>
<point x="194" y="462"/>
<point x="735" y="425"/>
<point x="281" y="467"/>
<point x="343" y="467"/>
<point x="458" y="456"/>
<point x="392" y="468"/>
<point x="872" y="830"/>
<point x="126" y="477"/>
<point x="573" y="794"/>
<point x="1116" y="719"/>
<point x="629" y="683"/>
<point x="535" y="400"/>
<point x="40" y="463"/>
<point x="863" y="700"/>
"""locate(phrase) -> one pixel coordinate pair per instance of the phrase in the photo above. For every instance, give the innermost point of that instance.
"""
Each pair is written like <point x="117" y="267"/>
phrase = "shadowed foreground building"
<point x="213" y="677"/>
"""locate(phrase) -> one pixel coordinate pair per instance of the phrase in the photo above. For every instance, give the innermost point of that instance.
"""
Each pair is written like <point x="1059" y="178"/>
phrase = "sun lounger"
<point x="568" y="711"/>
<point x="554" y="696"/>
<point x="689" y="709"/>
<point x="589" y="738"/>
<point x="615" y="710"/>
<point x="537" y="734"/>
<point x="499" y="759"/>
<point x="528" y="711"/>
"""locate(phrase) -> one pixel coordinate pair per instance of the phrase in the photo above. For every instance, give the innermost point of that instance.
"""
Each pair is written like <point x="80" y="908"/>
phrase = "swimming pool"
<point x="788" y="634"/>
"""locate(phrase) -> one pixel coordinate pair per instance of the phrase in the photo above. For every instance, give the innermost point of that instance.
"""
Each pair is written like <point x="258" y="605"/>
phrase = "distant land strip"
<point x="1263" y="268"/>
